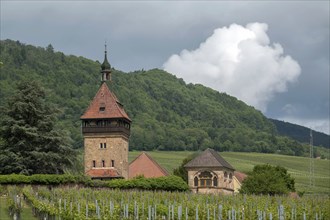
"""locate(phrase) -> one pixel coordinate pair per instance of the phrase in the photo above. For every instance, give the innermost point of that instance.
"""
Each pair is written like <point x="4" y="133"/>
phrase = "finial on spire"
<point x="105" y="66"/>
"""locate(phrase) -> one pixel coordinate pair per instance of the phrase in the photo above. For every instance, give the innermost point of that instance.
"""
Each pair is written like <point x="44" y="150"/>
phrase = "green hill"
<point x="298" y="167"/>
<point x="301" y="133"/>
<point x="167" y="113"/>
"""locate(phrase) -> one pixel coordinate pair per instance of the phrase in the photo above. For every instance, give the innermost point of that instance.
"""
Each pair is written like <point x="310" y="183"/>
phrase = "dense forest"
<point x="167" y="113"/>
<point x="301" y="133"/>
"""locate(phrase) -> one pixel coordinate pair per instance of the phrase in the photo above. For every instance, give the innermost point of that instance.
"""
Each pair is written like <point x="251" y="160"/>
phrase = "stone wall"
<point x="212" y="190"/>
<point x="224" y="186"/>
<point x="116" y="149"/>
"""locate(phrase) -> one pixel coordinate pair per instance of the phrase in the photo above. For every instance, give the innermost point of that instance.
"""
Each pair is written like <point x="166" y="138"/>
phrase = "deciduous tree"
<point x="181" y="171"/>
<point x="268" y="180"/>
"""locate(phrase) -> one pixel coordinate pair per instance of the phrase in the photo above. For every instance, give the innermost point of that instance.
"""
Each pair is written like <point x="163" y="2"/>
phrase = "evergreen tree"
<point x="30" y="142"/>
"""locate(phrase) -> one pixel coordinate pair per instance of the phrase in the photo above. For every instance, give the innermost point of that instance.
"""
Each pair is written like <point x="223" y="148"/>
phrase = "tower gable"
<point x="105" y="105"/>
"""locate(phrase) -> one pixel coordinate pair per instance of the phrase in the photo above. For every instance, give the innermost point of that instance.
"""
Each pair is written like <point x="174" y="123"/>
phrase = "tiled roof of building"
<point x="105" y="105"/>
<point x="146" y="166"/>
<point x="208" y="158"/>
<point x="240" y="176"/>
<point x="106" y="172"/>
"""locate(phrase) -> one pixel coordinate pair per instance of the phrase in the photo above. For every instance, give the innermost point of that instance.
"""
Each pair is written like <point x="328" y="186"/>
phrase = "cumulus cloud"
<point x="240" y="61"/>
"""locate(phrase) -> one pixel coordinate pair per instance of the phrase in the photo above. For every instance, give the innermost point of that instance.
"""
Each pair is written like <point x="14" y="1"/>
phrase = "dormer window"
<point x="102" y="107"/>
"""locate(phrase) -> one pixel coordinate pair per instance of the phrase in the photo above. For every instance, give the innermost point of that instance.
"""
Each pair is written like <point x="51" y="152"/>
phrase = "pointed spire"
<point x="105" y="67"/>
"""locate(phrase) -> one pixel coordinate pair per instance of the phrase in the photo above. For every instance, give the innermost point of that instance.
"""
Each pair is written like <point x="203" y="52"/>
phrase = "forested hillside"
<point x="167" y="113"/>
<point x="301" y="133"/>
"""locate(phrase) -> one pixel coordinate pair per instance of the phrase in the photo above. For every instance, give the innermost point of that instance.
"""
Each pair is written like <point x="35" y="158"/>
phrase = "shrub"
<point x="168" y="183"/>
<point x="268" y="180"/>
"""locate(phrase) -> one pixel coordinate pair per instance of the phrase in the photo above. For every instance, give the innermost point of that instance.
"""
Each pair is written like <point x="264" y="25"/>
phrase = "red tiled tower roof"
<point x="105" y="105"/>
<point x="146" y="166"/>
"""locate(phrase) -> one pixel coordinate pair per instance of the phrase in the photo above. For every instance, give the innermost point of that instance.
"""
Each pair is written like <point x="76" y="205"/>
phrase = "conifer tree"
<point x="30" y="141"/>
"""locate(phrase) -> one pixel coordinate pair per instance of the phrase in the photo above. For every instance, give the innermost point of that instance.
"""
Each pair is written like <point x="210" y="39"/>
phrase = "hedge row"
<point x="168" y="183"/>
<point x="43" y="179"/>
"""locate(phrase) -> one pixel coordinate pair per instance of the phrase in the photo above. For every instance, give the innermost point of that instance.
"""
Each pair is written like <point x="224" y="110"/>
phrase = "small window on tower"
<point x="105" y="145"/>
<point x="94" y="163"/>
<point x="112" y="163"/>
<point x="102" y="107"/>
<point x="103" y="163"/>
<point x="101" y="145"/>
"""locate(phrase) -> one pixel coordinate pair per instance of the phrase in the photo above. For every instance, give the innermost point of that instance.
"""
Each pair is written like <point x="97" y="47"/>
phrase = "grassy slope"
<point x="26" y="212"/>
<point x="298" y="167"/>
<point x="3" y="209"/>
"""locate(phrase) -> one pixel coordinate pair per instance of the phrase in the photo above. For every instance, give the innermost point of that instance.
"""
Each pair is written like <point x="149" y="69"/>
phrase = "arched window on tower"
<point x="230" y="177"/>
<point x="205" y="178"/>
<point x="215" y="181"/>
<point x="226" y="176"/>
<point x="196" y="181"/>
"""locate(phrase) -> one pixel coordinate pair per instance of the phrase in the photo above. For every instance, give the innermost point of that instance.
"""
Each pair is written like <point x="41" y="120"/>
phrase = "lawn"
<point x="26" y="212"/>
<point x="3" y="209"/>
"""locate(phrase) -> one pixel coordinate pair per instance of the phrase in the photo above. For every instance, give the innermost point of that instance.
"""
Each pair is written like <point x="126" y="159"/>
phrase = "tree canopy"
<point x="31" y="141"/>
<point x="181" y="171"/>
<point x="268" y="180"/>
<point x="166" y="113"/>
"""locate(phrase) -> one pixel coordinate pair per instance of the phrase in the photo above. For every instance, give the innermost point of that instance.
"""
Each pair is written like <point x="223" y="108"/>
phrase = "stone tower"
<point x="106" y="131"/>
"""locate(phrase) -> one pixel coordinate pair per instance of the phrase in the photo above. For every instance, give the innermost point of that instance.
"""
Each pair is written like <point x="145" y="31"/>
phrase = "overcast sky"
<point x="273" y="55"/>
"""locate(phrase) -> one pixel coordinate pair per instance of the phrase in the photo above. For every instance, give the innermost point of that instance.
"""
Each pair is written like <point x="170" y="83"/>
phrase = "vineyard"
<point x="87" y="203"/>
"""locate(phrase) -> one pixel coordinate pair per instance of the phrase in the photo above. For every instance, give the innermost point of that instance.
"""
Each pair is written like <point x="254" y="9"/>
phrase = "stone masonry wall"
<point x="224" y="186"/>
<point x="116" y="149"/>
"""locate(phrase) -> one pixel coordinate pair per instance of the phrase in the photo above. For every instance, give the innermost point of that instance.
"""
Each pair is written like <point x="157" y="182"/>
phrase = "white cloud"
<point x="239" y="61"/>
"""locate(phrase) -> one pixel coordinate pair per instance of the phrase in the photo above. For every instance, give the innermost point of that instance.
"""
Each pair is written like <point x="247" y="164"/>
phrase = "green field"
<point x="3" y="209"/>
<point x="298" y="167"/>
